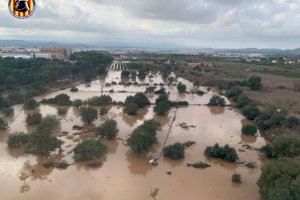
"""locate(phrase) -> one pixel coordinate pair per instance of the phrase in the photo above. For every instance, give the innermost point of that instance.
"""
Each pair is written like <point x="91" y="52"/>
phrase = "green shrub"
<point x="255" y="83"/>
<point x="88" y="114"/>
<point x="108" y="129"/>
<point x="77" y="103"/>
<point x="141" y="75"/>
<point x="161" y="108"/>
<point x="225" y="153"/>
<point x="181" y="88"/>
<point x="60" y="100"/>
<point x="233" y="92"/>
<point x="33" y="119"/>
<point x="267" y="150"/>
<point x="280" y="179"/>
<point x="131" y="109"/>
<point x="103" y="100"/>
<point x="89" y="149"/>
<point x="236" y="178"/>
<point x="242" y="101"/>
<point x="3" y="124"/>
<point x="139" y="99"/>
<point x="175" y="151"/>
<point x="216" y="100"/>
<point x="7" y="111"/>
<point x="143" y="137"/>
<point x="249" y="129"/>
<point x="150" y="89"/>
<point x="30" y="104"/>
<point x="49" y="124"/>
<point x="18" y="139"/>
<point x="250" y="112"/>
<point x="41" y="143"/>
<point x="103" y="111"/>
<point x="288" y="146"/>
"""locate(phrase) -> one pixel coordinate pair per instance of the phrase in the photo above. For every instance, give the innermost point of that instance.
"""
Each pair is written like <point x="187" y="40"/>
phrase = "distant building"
<point x="42" y="55"/>
<point x="55" y="52"/>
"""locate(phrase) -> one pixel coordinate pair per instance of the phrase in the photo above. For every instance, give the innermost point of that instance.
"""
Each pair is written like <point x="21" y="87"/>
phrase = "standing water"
<point x="124" y="175"/>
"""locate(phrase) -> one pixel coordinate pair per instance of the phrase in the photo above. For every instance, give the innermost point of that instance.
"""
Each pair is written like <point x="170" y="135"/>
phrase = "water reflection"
<point x="216" y="110"/>
<point x="138" y="165"/>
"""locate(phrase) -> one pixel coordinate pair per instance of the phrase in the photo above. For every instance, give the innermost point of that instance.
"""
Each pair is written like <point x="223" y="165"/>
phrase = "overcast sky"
<point x="163" y="23"/>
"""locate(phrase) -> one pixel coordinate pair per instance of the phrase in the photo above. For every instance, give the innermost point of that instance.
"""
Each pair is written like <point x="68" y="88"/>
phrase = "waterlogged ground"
<point x="124" y="175"/>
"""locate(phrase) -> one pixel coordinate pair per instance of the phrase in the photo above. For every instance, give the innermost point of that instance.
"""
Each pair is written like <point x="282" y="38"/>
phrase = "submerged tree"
<point x="89" y="149"/>
<point x="88" y="114"/>
<point x="143" y="137"/>
<point x="108" y="129"/>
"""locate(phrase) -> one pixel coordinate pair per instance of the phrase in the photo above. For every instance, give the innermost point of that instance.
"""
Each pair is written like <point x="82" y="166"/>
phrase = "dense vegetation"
<point x="103" y="100"/>
<point x="33" y="118"/>
<point x="108" y="129"/>
<point x="3" y="124"/>
<point x="181" y="88"/>
<point x="48" y="124"/>
<point x="143" y="137"/>
<point x="225" y="153"/>
<point x="249" y="129"/>
<point x="30" y="104"/>
<point x="280" y="179"/>
<point x="89" y="149"/>
<point x="174" y="151"/>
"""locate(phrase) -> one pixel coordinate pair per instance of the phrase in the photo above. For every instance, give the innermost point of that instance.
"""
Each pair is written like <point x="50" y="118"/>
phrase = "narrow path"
<point x="171" y="125"/>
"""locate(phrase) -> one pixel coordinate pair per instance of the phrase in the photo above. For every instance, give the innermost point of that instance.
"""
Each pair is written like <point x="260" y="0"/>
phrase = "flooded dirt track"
<point x="123" y="175"/>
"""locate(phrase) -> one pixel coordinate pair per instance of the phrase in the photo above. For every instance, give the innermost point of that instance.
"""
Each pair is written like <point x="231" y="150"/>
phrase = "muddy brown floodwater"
<point x="124" y="175"/>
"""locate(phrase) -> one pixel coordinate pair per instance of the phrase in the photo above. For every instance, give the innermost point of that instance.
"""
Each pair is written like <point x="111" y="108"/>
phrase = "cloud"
<point x="192" y="23"/>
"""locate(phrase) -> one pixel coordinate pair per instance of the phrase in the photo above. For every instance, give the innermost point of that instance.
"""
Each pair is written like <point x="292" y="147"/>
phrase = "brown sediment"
<point x="124" y="175"/>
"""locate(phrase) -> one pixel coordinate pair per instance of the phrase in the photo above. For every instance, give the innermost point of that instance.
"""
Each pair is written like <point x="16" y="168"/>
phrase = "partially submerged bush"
<point x="249" y="129"/>
<point x="88" y="114"/>
<point x="236" y="178"/>
<point x="279" y="180"/>
<point x="33" y="118"/>
<point x="161" y="108"/>
<point x="292" y="122"/>
<point x="181" y="88"/>
<point x="216" y="100"/>
<point x="89" y="149"/>
<point x="41" y="143"/>
<point x="225" y="153"/>
<point x="131" y="109"/>
<point x="103" y="111"/>
<point x="18" y="139"/>
<point x="7" y="112"/>
<point x="31" y="104"/>
<point x="77" y="103"/>
<point x="175" y="151"/>
<point x="250" y="112"/>
<point x="49" y="124"/>
<point x="267" y="150"/>
<point x="143" y="137"/>
<point x="3" y="124"/>
<point x="103" y="100"/>
<point x="60" y="100"/>
<point x="108" y="129"/>
<point x="150" y="89"/>
<point x="139" y="99"/>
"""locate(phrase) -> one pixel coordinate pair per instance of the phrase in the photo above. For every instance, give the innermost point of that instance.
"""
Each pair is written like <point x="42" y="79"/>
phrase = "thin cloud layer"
<point x="162" y="23"/>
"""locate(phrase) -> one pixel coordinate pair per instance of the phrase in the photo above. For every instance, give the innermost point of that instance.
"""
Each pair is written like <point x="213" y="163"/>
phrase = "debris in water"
<point x="199" y="164"/>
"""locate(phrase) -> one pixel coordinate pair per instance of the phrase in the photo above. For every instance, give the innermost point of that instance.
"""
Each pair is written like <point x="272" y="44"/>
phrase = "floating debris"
<point x="199" y="164"/>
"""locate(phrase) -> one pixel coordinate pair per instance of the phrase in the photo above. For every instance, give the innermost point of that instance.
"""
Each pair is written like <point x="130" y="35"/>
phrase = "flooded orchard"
<point x="124" y="175"/>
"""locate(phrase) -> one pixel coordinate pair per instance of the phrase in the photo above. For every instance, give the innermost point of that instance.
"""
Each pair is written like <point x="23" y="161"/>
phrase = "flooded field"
<point x="124" y="175"/>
